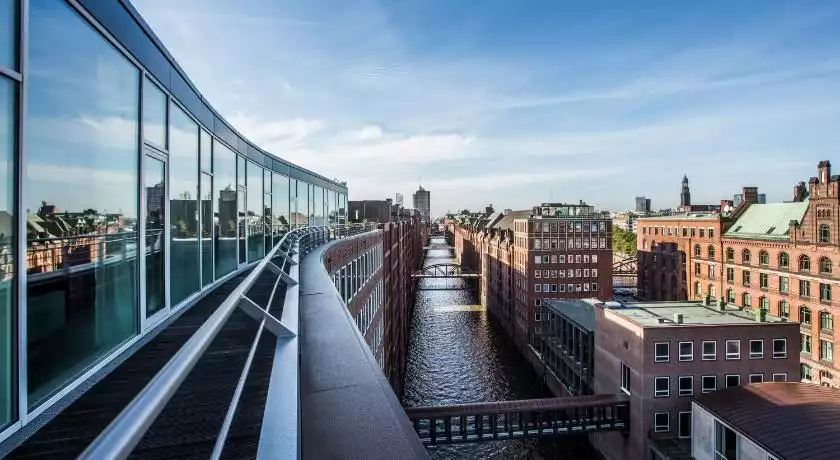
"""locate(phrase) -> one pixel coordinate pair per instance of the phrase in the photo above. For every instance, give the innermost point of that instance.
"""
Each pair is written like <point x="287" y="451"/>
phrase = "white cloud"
<point x="276" y="135"/>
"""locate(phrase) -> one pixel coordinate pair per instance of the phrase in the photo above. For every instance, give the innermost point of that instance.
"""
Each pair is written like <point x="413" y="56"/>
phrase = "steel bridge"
<point x="625" y="272"/>
<point x="487" y="421"/>
<point x="446" y="270"/>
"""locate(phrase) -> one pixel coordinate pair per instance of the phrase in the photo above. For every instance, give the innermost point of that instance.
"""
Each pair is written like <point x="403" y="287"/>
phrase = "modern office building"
<point x="663" y="354"/>
<point x="642" y="205"/>
<point x="567" y="343"/>
<point x="398" y="199"/>
<point x="423" y="203"/>
<point x="124" y="196"/>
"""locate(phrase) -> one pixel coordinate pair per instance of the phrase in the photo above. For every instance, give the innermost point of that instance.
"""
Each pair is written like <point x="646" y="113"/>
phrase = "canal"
<point x="457" y="354"/>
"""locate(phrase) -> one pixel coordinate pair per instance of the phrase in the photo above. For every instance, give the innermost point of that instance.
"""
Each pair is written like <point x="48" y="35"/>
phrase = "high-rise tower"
<point x="685" y="195"/>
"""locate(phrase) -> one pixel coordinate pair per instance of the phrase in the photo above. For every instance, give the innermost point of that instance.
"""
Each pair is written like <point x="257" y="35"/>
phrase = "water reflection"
<point x="457" y="354"/>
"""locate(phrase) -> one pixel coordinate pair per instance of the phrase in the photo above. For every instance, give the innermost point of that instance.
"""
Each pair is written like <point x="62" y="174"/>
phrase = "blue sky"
<point x="514" y="102"/>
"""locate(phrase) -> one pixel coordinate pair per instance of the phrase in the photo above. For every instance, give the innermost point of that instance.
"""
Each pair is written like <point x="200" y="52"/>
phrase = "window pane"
<point x="224" y="209"/>
<point x="7" y="246"/>
<point x="183" y="206"/>
<point x="8" y="44"/>
<point x="256" y="243"/>
<point x="280" y="195"/>
<point x="81" y="173"/>
<point x="206" y="149"/>
<point x="206" y="211"/>
<point x="154" y="178"/>
<point x="154" y="114"/>
<point x="332" y="215"/>
<point x="311" y="205"/>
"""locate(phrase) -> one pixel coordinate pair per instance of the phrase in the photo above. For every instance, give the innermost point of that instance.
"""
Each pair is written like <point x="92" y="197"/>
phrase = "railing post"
<point x="447" y="428"/>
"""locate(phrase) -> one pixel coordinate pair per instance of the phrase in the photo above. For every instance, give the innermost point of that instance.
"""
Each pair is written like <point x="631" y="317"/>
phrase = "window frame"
<point x="782" y="354"/>
<point x="752" y="378"/>
<point x="681" y="424"/>
<point x="726" y="380"/>
<point x="659" y="428"/>
<point x="657" y="393"/>
<point x="690" y="390"/>
<point x="657" y="358"/>
<point x="685" y="357"/>
<point x="625" y="380"/>
<point x="706" y="356"/>
<point x="703" y="388"/>
<point x="783" y="375"/>
<point x="757" y="354"/>
<point x="732" y="356"/>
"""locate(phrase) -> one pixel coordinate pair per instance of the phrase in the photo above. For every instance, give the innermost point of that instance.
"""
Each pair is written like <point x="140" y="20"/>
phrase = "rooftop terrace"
<point x="648" y="314"/>
<point x="580" y="311"/>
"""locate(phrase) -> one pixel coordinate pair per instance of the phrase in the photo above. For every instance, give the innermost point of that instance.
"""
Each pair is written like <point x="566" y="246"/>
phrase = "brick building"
<point x="775" y="256"/>
<point x="663" y="354"/>
<point x="553" y="251"/>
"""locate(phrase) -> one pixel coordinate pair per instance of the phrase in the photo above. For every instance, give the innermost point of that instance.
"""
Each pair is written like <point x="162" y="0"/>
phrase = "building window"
<point x="661" y="352"/>
<point x="732" y="380"/>
<point x="762" y="280"/>
<point x="805" y="372"/>
<point x="594" y="286"/>
<point x="538" y="274"/>
<point x="784" y="309"/>
<point x="745" y="277"/>
<point x="702" y="233"/>
<point x="805" y="315"/>
<point x="538" y="302"/>
<point x="685" y="423"/>
<point x="711" y="252"/>
<point x="826" y="350"/>
<point x="784" y="284"/>
<point x="733" y="349"/>
<point x="745" y="257"/>
<point x="696" y="250"/>
<point x="538" y="288"/>
<point x="730" y="296"/>
<point x="779" y="348"/>
<point x="561" y="287"/>
<point x="708" y="383"/>
<point x="804" y="288"/>
<point x="781" y="377"/>
<point x="662" y="387"/>
<point x="686" y="351"/>
<point x="594" y="272"/>
<point x="685" y="231"/>
<point x="805" y="343"/>
<point x="693" y="232"/>
<point x="746" y="300"/>
<point x="804" y="263"/>
<point x="625" y="378"/>
<point x="594" y="258"/>
<point x="825" y="265"/>
<point x="784" y="260"/>
<point x="825" y="233"/>
<point x="764" y="303"/>
<point x="698" y="290"/>
<point x="730" y="275"/>
<point x="711" y="233"/>
<point x="553" y="288"/>
<point x="756" y="349"/>
<point x="537" y="259"/>
<point x="545" y="287"/>
<point x="709" y="350"/>
<point x="686" y="385"/>
<point x="826" y="321"/>
<point x="763" y="258"/>
<point x="825" y="292"/>
<point x="730" y="255"/>
<point x="661" y="422"/>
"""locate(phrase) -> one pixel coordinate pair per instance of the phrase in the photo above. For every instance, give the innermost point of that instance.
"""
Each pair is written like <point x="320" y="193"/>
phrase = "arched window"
<point x="711" y="252"/>
<point x="697" y="290"/>
<point x="746" y="300"/>
<point x="730" y="296"/>
<point x="764" y="303"/>
<point x="784" y="260"/>
<point x="825" y="265"/>
<point x="745" y="256"/>
<point x="784" y="309"/>
<point x="825" y="233"/>
<point x="804" y="263"/>
<point x="763" y="258"/>
<point x="826" y="321"/>
<point x="696" y="250"/>
<point x="804" y="315"/>
<point x="730" y="255"/>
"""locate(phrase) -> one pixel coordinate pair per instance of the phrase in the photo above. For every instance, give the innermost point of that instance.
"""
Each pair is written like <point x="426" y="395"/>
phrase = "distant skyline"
<point x="516" y="103"/>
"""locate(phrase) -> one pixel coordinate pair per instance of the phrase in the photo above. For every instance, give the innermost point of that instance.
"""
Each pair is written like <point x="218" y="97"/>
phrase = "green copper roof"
<point x="767" y="221"/>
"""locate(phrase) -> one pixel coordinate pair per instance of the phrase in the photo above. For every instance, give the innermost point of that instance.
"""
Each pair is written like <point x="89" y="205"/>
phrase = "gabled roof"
<point x="767" y="221"/>
<point x="506" y="222"/>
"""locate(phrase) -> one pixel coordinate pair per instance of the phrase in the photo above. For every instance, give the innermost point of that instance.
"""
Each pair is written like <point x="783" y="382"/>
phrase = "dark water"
<point x="457" y="354"/>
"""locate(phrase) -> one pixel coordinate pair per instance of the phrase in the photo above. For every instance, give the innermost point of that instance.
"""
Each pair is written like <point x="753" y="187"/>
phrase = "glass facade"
<point x="183" y="206"/>
<point x="133" y="203"/>
<point x="81" y="174"/>
<point x="8" y="330"/>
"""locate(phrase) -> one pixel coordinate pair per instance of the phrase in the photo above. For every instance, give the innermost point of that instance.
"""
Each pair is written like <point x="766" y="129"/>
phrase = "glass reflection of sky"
<point x="8" y="34"/>
<point x="6" y="206"/>
<point x="82" y="117"/>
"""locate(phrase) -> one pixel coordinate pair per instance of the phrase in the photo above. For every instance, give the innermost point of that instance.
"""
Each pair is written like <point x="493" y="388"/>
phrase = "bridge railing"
<point x="519" y="419"/>
<point x="123" y="434"/>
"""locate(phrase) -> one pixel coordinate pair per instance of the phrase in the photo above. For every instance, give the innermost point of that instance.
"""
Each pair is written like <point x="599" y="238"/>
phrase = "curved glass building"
<point x="124" y="196"/>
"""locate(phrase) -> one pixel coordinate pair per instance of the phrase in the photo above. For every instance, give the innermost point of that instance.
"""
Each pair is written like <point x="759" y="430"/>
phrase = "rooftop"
<point x="758" y="411"/>
<point x="693" y="313"/>
<point x="580" y="311"/>
<point x="686" y="216"/>
<point x="767" y="221"/>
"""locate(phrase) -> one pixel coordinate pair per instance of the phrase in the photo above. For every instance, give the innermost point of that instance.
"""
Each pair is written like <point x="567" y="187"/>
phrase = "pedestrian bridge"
<point x="487" y="421"/>
<point x="446" y="270"/>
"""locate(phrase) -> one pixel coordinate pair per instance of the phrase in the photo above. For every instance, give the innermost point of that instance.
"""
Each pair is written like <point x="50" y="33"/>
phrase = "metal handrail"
<point x="121" y="436"/>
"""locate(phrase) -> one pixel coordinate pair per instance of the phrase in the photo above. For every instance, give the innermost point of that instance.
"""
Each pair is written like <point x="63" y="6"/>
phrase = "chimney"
<point x="799" y="192"/>
<point x="824" y="170"/>
<point x="751" y="195"/>
<point x="678" y="318"/>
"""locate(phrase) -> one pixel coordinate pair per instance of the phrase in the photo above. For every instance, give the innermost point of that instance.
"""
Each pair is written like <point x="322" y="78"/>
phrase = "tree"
<point x="624" y="242"/>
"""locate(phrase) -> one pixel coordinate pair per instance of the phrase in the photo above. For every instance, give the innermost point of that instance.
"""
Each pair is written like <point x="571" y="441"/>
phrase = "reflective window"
<point x="154" y="114"/>
<point x="332" y="212"/>
<point x="301" y="215"/>
<point x="154" y="178"/>
<point x="224" y="209"/>
<point x="7" y="239"/>
<point x="184" y="275"/>
<point x="256" y="243"/>
<point x="280" y="222"/>
<point x="311" y="205"/>
<point x="267" y="210"/>
<point x="8" y="43"/>
<point x="206" y="215"/>
<point x="81" y="172"/>
<point x="206" y="156"/>
<point x="242" y="209"/>
<point x="318" y="204"/>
